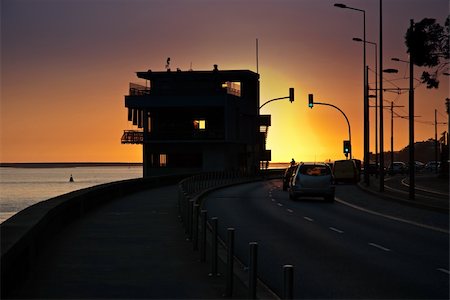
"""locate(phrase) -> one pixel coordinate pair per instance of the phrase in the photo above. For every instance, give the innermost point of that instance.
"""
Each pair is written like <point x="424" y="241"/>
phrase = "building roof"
<point x="225" y="75"/>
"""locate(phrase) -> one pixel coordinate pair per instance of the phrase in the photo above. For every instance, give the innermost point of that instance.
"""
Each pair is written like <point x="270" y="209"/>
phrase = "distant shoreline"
<point x="91" y="164"/>
<point x="68" y="165"/>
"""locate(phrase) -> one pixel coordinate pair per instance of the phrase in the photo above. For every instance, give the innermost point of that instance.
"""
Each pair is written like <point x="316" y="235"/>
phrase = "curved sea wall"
<point x="24" y="234"/>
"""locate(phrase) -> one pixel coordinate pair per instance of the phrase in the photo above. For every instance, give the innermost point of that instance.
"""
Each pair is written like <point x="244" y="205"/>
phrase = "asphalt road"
<point x="339" y="250"/>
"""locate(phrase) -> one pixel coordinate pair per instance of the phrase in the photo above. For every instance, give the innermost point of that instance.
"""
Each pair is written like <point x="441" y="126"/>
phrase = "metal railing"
<point x="132" y="137"/>
<point x="202" y="231"/>
<point x="138" y="89"/>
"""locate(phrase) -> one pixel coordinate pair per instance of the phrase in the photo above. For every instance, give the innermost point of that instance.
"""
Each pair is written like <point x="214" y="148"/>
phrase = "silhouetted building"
<point x="194" y="121"/>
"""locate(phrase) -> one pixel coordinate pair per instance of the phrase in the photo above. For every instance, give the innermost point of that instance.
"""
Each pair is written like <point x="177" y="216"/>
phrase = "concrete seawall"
<point x="24" y="234"/>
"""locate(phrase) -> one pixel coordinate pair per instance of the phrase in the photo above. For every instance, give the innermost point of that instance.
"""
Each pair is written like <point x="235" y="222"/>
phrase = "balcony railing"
<point x="132" y="137"/>
<point x="138" y="89"/>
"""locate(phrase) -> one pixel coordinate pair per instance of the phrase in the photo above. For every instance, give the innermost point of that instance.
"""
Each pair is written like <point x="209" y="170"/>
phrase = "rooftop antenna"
<point x="257" y="57"/>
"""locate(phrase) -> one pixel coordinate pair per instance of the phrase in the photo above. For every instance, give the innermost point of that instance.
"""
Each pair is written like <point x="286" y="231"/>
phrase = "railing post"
<point x="288" y="282"/>
<point x="252" y="270"/>
<point x="195" y="226"/>
<point x="214" y="252"/>
<point x="230" y="263"/>
<point x="203" y="218"/>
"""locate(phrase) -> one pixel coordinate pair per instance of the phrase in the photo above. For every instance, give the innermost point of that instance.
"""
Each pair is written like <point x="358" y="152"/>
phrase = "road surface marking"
<point x="336" y="230"/>
<point x="379" y="247"/>
<point x="273" y="200"/>
<point x="279" y="204"/>
<point x="392" y="217"/>
<point x="308" y="218"/>
<point x="444" y="270"/>
<point x="290" y="210"/>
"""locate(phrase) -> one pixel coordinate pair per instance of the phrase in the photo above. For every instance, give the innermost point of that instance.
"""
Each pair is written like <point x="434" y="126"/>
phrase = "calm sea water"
<point x="22" y="187"/>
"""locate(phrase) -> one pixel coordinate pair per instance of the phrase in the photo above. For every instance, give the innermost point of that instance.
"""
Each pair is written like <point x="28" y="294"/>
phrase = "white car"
<point x="312" y="179"/>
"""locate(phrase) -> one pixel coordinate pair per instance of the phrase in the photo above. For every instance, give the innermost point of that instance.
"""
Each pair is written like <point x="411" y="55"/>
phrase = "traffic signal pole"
<point x="311" y="104"/>
<point x="290" y="97"/>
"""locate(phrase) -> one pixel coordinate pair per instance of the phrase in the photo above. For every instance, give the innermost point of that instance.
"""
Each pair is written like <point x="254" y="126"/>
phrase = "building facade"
<point x="197" y="121"/>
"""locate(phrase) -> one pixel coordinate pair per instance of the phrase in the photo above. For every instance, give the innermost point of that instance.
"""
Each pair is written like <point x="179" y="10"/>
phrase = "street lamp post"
<point x="365" y="98"/>
<point x="381" y="184"/>
<point x="412" y="165"/>
<point x="376" y="96"/>
<point x="411" y="162"/>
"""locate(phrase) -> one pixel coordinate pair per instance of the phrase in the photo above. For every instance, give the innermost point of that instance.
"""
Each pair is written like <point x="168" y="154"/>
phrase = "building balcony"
<point x="132" y="137"/>
<point x="138" y="89"/>
<point x="137" y="137"/>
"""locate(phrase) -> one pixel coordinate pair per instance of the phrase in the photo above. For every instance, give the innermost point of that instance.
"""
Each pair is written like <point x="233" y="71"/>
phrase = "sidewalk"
<point x="133" y="247"/>
<point x="428" y="182"/>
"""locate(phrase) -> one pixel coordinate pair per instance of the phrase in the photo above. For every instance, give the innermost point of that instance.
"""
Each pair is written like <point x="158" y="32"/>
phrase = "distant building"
<point x="198" y="121"/>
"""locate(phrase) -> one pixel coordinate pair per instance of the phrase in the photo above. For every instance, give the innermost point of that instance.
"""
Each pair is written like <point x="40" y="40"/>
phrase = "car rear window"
<point x="313" y="170"/>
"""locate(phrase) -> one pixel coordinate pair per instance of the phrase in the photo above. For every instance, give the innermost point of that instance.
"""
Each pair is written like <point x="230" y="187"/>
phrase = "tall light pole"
<point x="412" y="165"/>
<point x="381" y="101"/>
<point x="411" y="162"/>
<point x="376" y="96"/>
<point x="365" y="98"/>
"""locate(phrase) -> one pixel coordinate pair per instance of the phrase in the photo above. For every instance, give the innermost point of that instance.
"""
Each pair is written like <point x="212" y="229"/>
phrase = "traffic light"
<point x="291" y="95"/>
<point x="310" y="100"/>
<point x="347" y="147"/>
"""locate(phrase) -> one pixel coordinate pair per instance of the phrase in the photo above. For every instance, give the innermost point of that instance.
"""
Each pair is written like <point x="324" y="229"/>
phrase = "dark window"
<point x="314" y="170"/>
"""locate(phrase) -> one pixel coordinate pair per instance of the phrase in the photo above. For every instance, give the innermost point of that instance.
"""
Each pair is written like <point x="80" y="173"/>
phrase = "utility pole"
<point x="392" y="130"/>
<point x="435" y="140"/>
<point x="447" y="103"/>
<point x="380" y="73"/>
<point x="366" y="123"/>
<point x="412" y="179"/>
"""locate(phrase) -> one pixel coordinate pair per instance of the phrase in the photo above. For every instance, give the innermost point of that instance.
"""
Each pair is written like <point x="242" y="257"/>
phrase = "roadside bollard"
<point x="214" y="253"/>
<point x="203" y="218"/>
<point x="195" y="226"/>
<point x="230" y="263"/>
<point x="288" y="282"/>
<point x="252" y="270"/>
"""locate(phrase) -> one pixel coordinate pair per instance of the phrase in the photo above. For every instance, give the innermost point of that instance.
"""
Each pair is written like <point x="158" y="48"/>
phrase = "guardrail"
<point x="203" y="233"/>
<point x="24" y="234"/>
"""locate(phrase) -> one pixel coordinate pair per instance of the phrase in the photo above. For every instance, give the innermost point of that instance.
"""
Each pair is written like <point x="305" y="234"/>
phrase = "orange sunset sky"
<point x="66" y="66"/>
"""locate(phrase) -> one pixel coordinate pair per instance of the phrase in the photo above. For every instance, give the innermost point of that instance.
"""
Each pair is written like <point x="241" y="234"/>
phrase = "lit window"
<point x="163" y="160"/>
<point x="232" y="87"/>
<point x="200" y="124"/>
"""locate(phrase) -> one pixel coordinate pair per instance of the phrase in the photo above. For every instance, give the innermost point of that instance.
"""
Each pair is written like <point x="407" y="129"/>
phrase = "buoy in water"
<point x="71" y="178"/>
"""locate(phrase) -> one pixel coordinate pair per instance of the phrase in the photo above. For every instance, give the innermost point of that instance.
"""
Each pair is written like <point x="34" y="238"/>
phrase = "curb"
<point x="404" y="201"/>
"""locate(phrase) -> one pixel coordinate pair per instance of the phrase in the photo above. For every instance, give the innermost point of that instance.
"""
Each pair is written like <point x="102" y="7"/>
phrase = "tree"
<point x="429" y="41"/>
